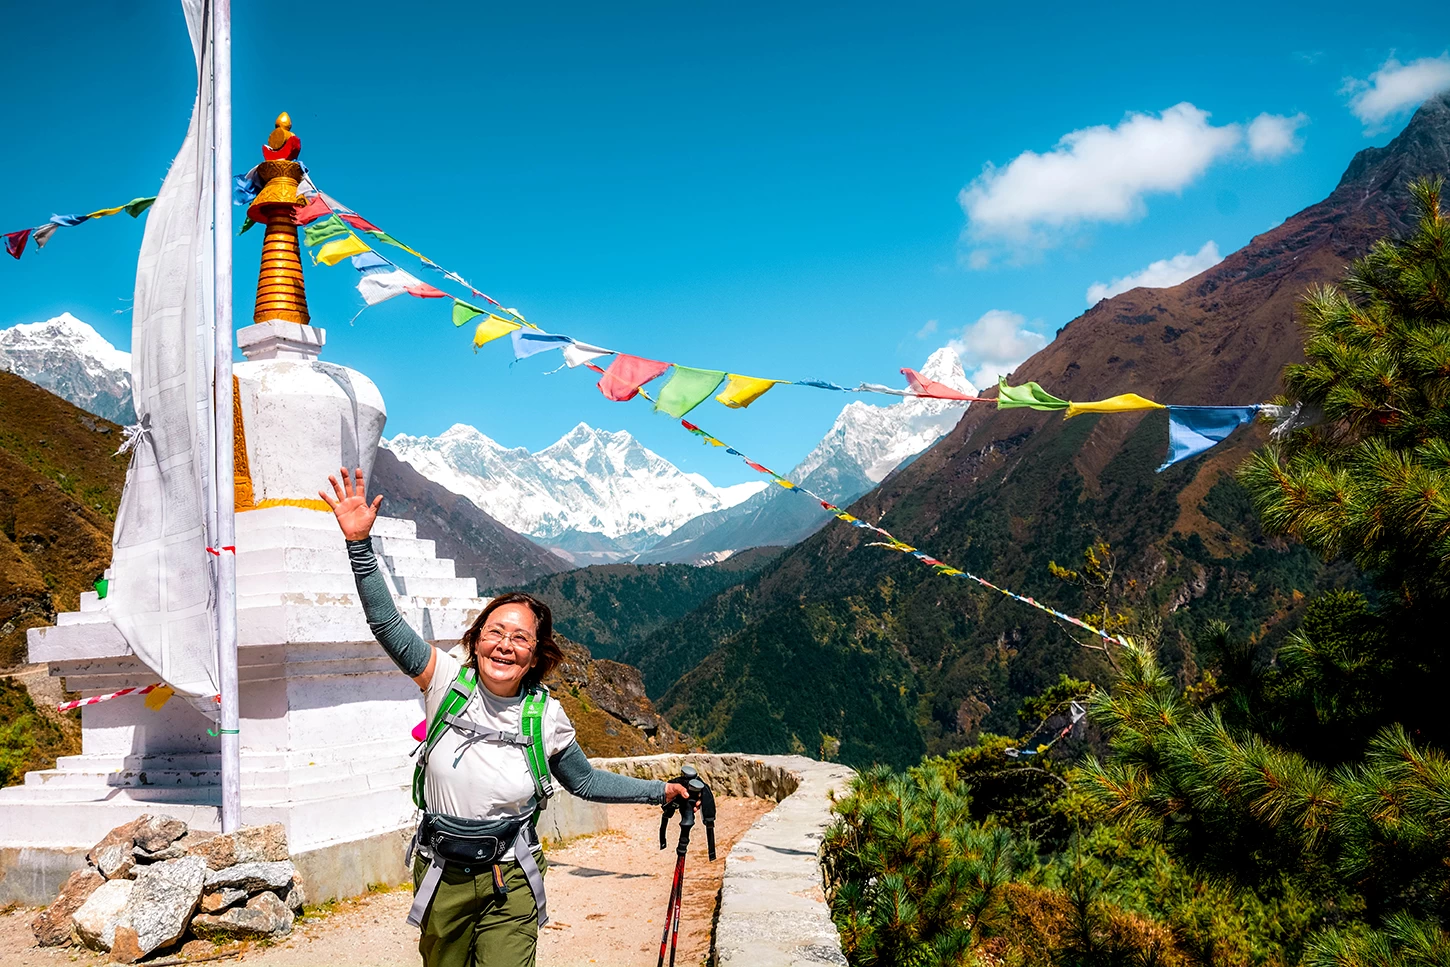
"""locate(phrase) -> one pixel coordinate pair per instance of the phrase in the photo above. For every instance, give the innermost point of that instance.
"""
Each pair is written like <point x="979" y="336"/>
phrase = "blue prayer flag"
<point x="527" y="342"/>
<point x="369" y="262"/>
<point x="822" y="384"/>
<point x="68" y="221"/>
<point x="245" y="187"/>
<point x="1194" y="429"/>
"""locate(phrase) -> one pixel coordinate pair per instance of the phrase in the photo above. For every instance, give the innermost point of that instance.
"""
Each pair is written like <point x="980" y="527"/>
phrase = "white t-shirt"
<point x="480" y="779"/>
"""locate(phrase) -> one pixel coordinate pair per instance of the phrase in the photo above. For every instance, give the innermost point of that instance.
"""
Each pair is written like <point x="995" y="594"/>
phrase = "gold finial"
<point x="281" y="132"/>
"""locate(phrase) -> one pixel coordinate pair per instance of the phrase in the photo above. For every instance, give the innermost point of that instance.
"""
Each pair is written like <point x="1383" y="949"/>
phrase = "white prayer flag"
<point x="161" y="596"/>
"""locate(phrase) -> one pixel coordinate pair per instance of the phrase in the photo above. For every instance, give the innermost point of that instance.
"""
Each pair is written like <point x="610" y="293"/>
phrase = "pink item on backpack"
<point x="420" y="731"/>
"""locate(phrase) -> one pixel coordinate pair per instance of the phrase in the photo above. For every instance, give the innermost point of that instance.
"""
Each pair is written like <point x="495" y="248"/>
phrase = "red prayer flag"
<point x="922" y="386"/>
<point x="359" y="223"/>
<point x="622" y="380"/>
<point x="313" y="210"/>
<point x="425" y="291"/>
<point x="15" y="242"/>
<point x="756" y="466"/>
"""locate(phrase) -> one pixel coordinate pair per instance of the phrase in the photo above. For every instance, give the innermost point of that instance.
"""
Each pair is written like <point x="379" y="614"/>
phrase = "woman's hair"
<point x="546" y="650"/>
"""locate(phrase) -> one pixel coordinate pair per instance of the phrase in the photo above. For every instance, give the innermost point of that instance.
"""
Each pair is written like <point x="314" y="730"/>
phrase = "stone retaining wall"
<point x="773" y="910"/>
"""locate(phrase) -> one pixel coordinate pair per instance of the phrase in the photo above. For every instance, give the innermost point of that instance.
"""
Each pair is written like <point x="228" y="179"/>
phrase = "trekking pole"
<point x="698" y="791"/>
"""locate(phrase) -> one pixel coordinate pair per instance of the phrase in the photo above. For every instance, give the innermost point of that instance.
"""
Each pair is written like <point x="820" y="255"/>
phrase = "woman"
<point x="479" y="887"/>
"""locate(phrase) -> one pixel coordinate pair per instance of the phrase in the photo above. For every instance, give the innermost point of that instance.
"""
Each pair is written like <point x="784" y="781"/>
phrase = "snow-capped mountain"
<point x="875" y="440"/>
<point x="73" y="361"/>
<point x="596" y="495"/>
<point x="864" y="445"/>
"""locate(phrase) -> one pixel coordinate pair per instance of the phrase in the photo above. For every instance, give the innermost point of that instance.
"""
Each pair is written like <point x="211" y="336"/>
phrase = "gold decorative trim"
<point x="241" y="469"/>
<point x="289" y="502"/>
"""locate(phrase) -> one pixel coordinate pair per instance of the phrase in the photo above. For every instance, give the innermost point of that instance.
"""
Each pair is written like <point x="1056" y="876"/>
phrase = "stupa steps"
<point x="315" y="783"/>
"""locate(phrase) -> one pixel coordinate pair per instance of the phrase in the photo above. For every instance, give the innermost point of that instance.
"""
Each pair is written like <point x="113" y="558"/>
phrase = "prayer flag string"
<point x="891" y="542"/>
<point x="332" y="226"/>
<point x="15" y="241"/>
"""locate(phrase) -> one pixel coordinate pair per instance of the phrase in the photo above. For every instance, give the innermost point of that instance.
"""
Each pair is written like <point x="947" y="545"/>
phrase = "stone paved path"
<point x="606" y="899"/>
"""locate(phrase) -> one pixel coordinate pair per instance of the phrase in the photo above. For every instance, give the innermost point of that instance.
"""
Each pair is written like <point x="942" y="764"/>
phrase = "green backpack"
<point x="531" y="737"/>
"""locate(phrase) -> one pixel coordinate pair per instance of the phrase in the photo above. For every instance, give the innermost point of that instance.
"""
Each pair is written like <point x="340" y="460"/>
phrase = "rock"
<point x="164" y="899"/>
<point x="253" y="877"/>
<point x="95" y="920"/>
<point x="173" y="852"/>
<point x="219" y="852"/>
<point x="124" y="835"/>
<point x="52" y="925"/>
<point x="262" y="844"/>
<point x="219" y="900"/>
<point x="159" y="832"/>
<point x="115" y="861"/>
<point x="263" y="916"/>
<point x="126" y="948"/>
<point x="250" y="844"/>
<point x="295" y="898"/>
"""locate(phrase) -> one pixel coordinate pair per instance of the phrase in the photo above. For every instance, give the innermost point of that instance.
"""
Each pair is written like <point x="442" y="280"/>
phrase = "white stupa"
<point x="325" y="715"/>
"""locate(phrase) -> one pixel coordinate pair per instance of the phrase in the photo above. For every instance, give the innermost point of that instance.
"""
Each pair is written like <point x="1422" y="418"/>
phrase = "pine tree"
<point x="1371" y="480"/>
<point x="1324" y="765"/>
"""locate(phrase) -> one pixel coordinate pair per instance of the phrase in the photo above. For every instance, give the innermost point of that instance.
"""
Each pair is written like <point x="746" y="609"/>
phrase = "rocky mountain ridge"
<point x="73" y="361"/>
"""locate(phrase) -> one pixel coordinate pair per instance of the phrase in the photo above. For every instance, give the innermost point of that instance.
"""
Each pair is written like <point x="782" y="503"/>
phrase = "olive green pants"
<point x="469" y="924"/>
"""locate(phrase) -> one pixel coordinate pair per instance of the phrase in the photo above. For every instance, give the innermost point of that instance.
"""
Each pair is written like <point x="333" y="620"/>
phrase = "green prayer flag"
<point x="462" y="312"/>
<point x="136" y="206"/>
<point x="246" y="224"/>
<point x="323" y="230"/>
<point x="102" y="586"/>
<point x="687" y="389"/>
<point x="1030" y="395"/>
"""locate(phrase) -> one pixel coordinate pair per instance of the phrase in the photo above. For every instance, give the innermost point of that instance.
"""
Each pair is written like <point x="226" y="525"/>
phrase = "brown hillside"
<point x="60" y="484"/>
<point x="1222" y="337"/>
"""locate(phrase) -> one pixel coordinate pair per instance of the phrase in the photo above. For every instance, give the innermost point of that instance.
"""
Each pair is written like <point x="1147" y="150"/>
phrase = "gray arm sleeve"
<point x="575" y="774"/>
<point x="408" y="651"/>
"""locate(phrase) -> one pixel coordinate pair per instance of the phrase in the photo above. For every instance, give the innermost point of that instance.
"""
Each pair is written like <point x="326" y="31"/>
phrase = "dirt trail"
<point x="606" y="904"/>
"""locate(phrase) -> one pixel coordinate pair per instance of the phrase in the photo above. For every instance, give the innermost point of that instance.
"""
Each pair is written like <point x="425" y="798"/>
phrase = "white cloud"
<point x="1160" y="274"/>
<point x="1272" y="136"/>
<point x="1099" y="173"/>
<point x="1396" y="87"/>
<point x="995" y="344"/>
<point x="927" y="329"/>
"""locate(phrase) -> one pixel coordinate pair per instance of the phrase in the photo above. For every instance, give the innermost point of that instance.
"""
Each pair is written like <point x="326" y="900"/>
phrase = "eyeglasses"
<point x="518" y="639"/>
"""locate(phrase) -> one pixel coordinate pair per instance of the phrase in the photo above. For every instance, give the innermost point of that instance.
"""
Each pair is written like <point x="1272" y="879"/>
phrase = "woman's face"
<point x="507" y="648"/>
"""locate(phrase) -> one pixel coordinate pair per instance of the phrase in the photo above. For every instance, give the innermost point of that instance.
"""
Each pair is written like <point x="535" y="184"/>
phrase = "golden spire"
<point x="280" y="291"/>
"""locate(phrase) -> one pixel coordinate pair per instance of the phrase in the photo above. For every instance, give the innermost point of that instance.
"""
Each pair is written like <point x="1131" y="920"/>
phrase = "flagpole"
<point x="226" y="597"/>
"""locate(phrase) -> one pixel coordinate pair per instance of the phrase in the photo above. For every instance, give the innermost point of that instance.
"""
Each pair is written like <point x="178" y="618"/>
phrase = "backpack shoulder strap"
<point x="532" y="727"/>
<point x="453" y="703"/>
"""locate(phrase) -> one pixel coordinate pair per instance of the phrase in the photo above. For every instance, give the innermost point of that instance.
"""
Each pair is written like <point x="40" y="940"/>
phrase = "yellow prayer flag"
<point x="158" y="697"/>
<point x="741" y="391"/>
<point x="490" y="328"/>
<point x="1116" y="404"/>
<point x="335" y="251"/>
<point x="785" y="483"/>
<point x="106" y="211"/>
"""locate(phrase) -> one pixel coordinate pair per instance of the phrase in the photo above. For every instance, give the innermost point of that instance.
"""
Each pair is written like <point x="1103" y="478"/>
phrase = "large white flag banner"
<point x="163" y="590"/>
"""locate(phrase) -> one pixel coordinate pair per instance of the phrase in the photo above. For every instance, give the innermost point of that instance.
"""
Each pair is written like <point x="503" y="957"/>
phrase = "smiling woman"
<point x="486" y="764"/>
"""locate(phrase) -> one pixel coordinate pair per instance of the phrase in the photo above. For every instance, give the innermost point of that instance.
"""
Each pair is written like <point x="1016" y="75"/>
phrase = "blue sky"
<point x="784" y="193"/>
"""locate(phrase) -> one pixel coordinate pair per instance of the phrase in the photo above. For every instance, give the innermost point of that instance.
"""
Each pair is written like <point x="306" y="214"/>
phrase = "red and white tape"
<point x="97" y="699"/>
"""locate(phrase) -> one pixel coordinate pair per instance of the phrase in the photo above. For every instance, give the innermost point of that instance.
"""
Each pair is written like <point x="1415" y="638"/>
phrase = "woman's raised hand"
<point x="349" y="502"/>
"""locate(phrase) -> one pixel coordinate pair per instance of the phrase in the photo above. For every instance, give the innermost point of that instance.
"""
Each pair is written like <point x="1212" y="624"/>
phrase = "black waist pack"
<point x="469" y="841"/>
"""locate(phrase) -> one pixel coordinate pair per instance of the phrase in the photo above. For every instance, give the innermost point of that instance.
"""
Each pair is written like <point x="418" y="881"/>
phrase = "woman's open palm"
<point x="349" y="502"/>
